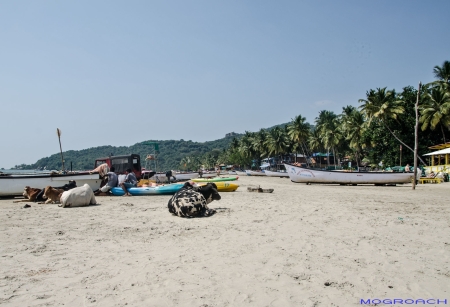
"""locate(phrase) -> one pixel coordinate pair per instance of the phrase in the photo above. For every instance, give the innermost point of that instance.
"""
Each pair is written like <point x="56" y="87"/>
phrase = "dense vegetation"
<point x="369" y="134"/>
<point x="169" y="156"/>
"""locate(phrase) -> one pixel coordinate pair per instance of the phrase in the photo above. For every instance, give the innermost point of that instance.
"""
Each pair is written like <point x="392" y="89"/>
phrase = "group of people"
<point x="419" y="172"/>
<point x="113" y="181"/>
<point x="129" y="182"/>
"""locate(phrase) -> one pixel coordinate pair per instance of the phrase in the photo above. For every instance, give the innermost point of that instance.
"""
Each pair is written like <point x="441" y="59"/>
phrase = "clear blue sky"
<point x="121" y="72"/>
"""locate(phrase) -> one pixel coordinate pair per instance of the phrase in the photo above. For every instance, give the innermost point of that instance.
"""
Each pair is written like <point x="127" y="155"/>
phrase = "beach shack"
<point x="439" y="160"/>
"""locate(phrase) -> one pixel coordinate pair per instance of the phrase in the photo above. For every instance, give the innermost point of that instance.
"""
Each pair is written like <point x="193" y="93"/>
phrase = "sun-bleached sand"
<point x="303" y="245"/>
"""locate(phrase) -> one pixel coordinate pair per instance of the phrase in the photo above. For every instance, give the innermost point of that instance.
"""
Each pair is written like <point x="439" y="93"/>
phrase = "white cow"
<point x="77" y="197"/>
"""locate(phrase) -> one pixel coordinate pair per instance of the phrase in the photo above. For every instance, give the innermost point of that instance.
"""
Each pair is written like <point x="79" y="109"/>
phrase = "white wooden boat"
<point x="13" y="185"/>
<point x="276" y="174"/>
<point x="253" y="173"/>
<point x="306" y="175"/>
<point x="186" y="176"/>
<point x="161" y="177"/>
<point x="239" y="173"/>
<point x="213" y="174"/>
<point x="209" y="175"/>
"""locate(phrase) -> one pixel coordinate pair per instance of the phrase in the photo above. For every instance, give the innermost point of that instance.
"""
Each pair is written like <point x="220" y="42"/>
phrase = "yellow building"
<point x="439" y="160"/>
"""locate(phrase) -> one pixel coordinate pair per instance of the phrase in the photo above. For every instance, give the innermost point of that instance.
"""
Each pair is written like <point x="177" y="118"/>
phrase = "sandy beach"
<point x="303" y="245"/>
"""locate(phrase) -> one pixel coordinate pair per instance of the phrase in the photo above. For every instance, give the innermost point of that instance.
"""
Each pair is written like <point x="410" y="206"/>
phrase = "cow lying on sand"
<point x="30" y="194"/>
<point x="52" y="195"/>
<point x="81" y="196"/>
<point x="192" y="201"/>
<point x="35" y="194"/>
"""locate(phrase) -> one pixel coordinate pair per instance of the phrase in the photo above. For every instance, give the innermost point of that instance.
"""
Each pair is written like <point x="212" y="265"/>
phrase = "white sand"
<point x="259" y="249"/>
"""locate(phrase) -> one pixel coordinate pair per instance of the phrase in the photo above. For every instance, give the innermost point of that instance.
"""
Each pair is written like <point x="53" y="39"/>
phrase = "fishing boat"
<point x="306" y="175"/>
<point x="215" y="179"/>
<point x="13" y="185"/>
<point x="161" y="177"/>
<point x="223" y="186"/>
<point x="168" y="189"/>
<point x="253" y="173"/>
<point x="209" y="174"/>
<point x="276" y="174"/>
<point x="241" y="173"/>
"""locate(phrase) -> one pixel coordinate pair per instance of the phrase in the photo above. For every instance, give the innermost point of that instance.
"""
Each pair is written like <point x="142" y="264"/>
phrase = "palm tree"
<point x="246" y="148"/>
<point x="327" y="126"/>
<point x="299" y="131"/>
<point x="276" y="141"/>
<point x="315" y="143"/>
<point x="354" y="125"/>
<point x="184" y="162"/>
<point x="383" y="105"/>
<point x="443" y="73"/>
<point x="435" y="110"/>
<point x="259" y="144"/>
<point x="234" y="144"/>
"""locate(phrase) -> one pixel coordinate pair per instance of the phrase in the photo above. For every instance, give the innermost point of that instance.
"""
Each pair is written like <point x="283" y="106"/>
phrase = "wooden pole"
<point x="58" y="132"/>
<point x="416" y="139"/>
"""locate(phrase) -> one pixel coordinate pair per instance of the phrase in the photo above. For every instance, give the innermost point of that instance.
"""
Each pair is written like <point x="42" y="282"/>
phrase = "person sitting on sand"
<point x="130" y="182"/>
<point x="112" y="182"/>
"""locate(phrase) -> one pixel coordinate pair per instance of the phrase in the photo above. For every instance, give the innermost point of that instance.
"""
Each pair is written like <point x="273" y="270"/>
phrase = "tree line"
<point x="168" y="157"/>
<point x="370" y="133"/>
<point x="375" y="131"/>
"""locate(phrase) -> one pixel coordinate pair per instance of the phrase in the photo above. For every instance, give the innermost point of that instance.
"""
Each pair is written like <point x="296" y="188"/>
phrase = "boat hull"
<point x="169" y="189"/>
<point x="14" y="185"/>
<point x="276" y="174"/>
<point x="223" y="186"/>
<point x="241" y="173"/>
<point x="305" y="175"/>
<point x="180" y="177"/>
<point x="253" y="173"/>
<point x="216" y="179"/>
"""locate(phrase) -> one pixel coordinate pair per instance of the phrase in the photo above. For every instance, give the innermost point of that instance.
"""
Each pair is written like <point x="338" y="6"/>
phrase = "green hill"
<point x="170" y="154"/>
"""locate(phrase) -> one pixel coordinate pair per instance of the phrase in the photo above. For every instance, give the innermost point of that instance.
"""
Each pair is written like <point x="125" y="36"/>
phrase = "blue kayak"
<point x="159" y="190"/>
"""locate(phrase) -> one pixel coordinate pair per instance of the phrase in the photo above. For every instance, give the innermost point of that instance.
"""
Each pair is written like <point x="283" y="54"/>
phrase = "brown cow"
<point x="52" y="195"/>
<point x="30" y="194"/>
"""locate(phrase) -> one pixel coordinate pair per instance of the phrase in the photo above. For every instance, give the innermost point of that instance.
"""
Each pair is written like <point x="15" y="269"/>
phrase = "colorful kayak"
<point x="159" y="190"/>
<point x="223" y="186"/>
<point x="215" y="179"/>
